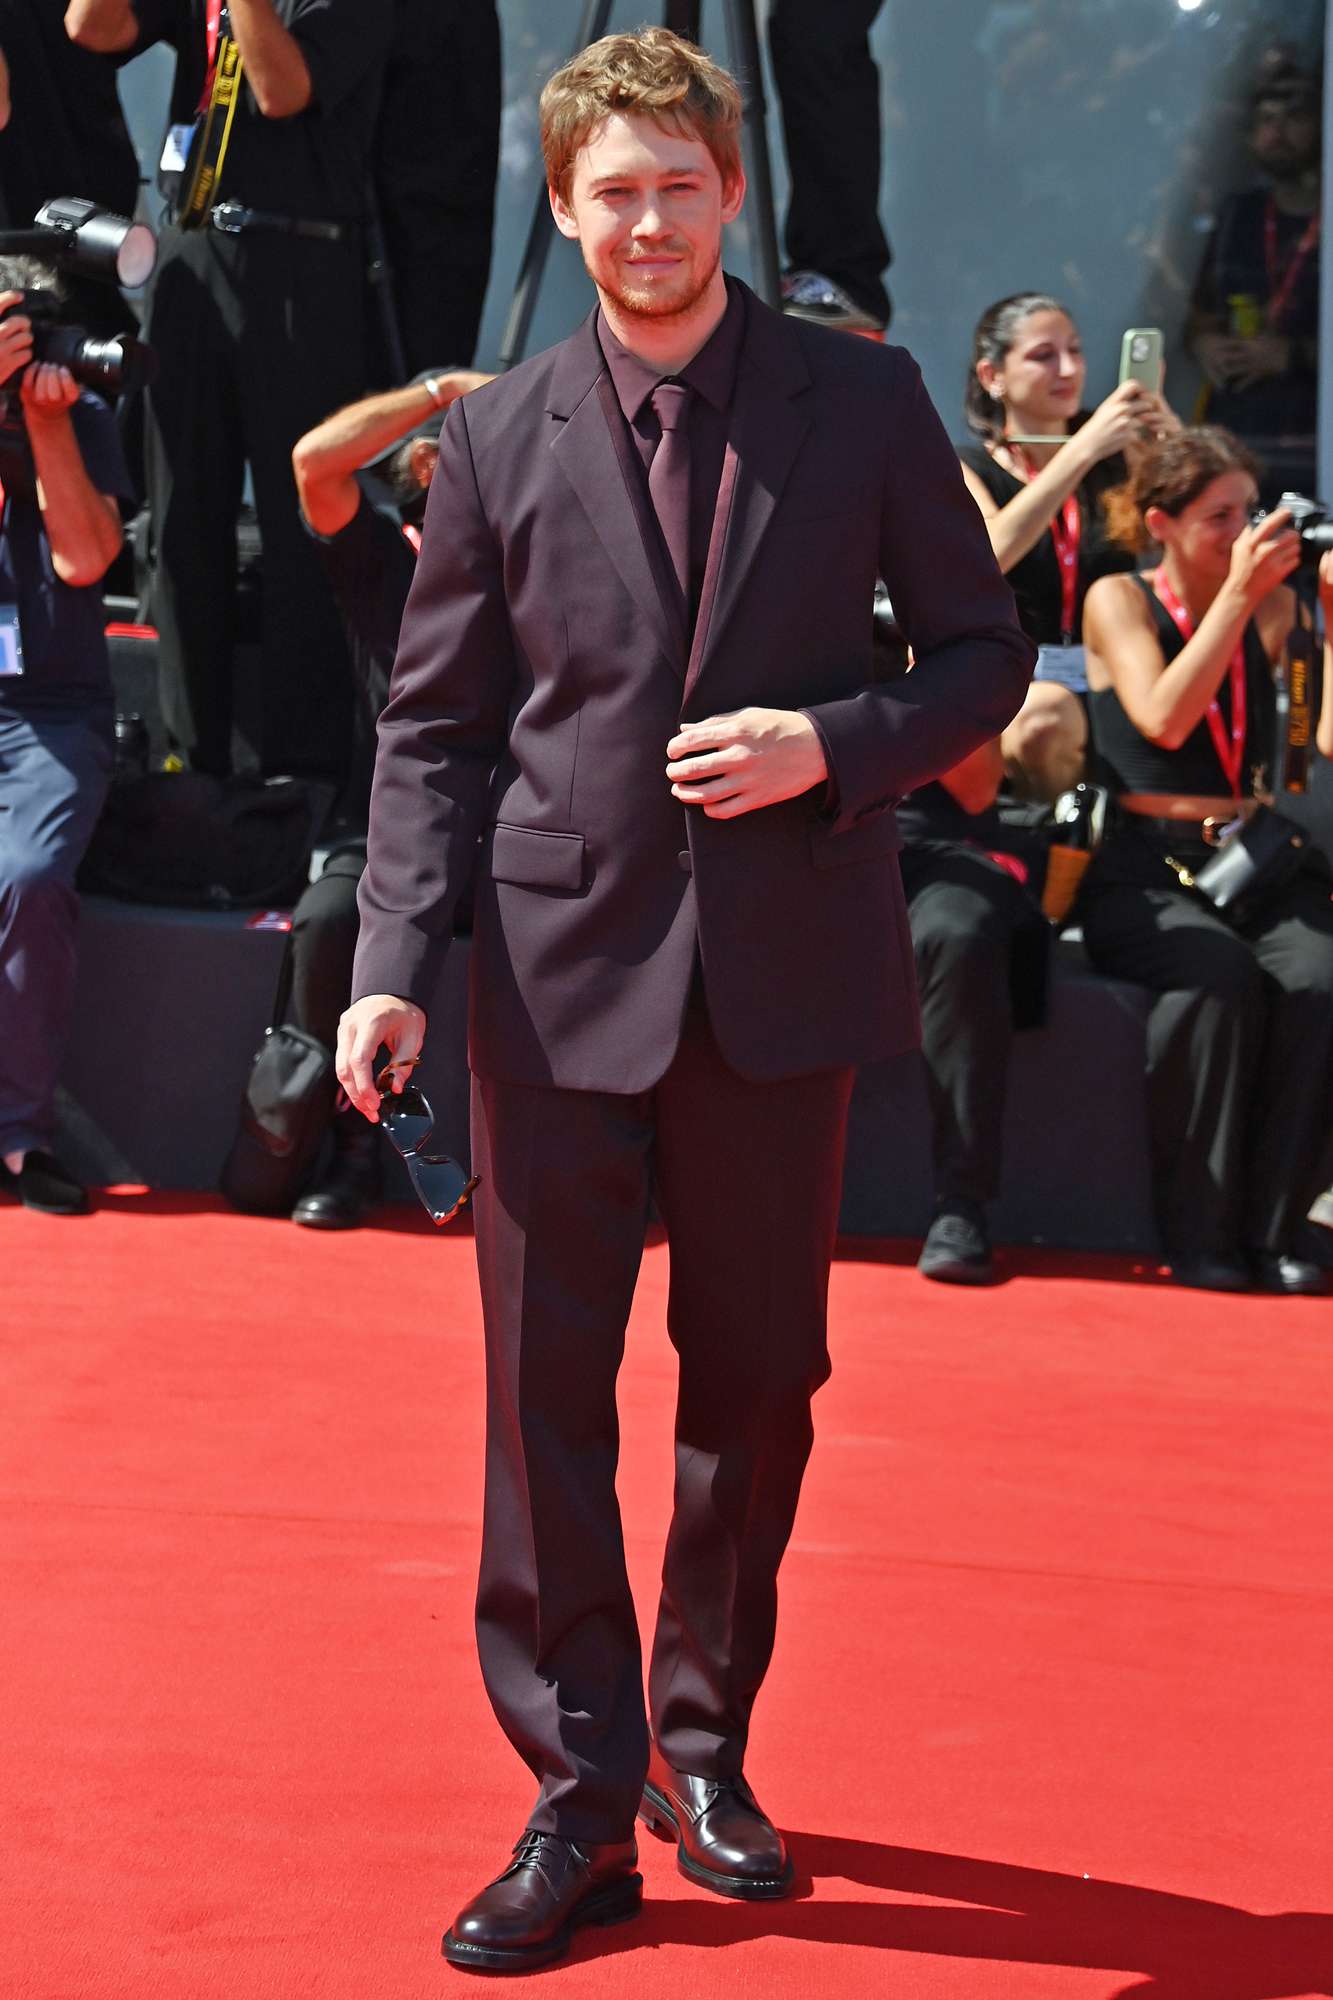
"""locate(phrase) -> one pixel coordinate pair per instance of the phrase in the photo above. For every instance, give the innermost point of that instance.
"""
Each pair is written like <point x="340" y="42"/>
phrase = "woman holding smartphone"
<point x="1038" y="474"/>
<point x="1240" y="1037"/>
<point x="980" y="940"/>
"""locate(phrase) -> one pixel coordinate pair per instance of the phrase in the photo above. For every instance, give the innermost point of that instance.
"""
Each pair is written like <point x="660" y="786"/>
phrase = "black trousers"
<point x="829" y="87"/>
<point x="747" y="1179"/>
<point x="437" y="149"/>
<point x="260" y="337"/>
<point x="981" y="948"/>
<point x="324" y="930"/>
<point x="1240" y="1046"/>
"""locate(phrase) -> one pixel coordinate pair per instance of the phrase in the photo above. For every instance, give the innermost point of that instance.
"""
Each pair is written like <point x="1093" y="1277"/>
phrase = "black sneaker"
<point x="41" y="1183"/>
<point x="957" y="1246"/>
<point x="810" y="295"/>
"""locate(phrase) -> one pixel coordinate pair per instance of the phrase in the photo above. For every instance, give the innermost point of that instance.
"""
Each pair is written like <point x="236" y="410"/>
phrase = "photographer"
<point x="1184" y="715"/>
<point x="63" y="478"/>
<point x="1254" y="318"/>
<point x="258" y="313"/>
<point x="369" y="553"/>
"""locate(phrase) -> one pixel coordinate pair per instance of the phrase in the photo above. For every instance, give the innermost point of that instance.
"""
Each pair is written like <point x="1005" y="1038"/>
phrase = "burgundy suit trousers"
<point x="747" y="1179"/>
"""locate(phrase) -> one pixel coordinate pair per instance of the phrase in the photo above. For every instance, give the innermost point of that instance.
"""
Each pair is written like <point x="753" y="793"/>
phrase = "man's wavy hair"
<point x="654" y="73"/>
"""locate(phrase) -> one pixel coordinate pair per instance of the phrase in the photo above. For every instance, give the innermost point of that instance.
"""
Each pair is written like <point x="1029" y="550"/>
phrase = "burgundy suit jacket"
<point x="542" y="669"/>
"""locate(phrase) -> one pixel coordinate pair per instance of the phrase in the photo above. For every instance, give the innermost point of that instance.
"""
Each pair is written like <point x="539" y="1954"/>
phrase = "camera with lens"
<point x="109" y="366"/>
<point x="1310" y="520"/>
<point x="77" y="235"/>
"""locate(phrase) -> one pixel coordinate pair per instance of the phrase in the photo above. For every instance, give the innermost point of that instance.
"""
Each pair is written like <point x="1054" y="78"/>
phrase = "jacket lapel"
<point x="585" y="449"/>
<point x="768" y="427"/>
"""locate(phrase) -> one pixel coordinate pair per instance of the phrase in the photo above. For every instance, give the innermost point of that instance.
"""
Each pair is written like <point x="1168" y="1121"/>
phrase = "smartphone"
<point x="1142" y="357"/>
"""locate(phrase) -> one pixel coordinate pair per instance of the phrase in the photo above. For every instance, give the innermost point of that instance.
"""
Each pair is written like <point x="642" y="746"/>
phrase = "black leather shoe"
<point x="43" y="1184"/>
<point x="526" y="1917"/>
<point x="1299" y="1277"/>
<point x="352" y="1186"/>
<point x="957" y="1248"/>
<point x="1203" y="1272"/>
<point x="724" y="1840"/>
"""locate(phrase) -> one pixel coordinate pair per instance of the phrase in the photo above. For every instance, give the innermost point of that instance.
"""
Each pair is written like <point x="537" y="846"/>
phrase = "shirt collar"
<point x="711" y="374"/>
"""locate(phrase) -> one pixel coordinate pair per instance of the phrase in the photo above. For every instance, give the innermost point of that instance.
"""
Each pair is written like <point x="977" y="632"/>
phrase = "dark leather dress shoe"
<point x="1298" y="1277"/>
<point x="724" y="1840"/>
<point x="343" y="1199"/>
<point x="44" y="1184"/>
<point x="1205" y="1272"/>
<point x="957" y="1248"/>
<point x="526" y="1917"/>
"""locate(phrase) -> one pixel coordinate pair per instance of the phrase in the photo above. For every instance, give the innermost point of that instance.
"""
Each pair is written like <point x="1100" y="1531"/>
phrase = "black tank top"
<point x="1035" y="581"/>
<point x="1128" y="762"/>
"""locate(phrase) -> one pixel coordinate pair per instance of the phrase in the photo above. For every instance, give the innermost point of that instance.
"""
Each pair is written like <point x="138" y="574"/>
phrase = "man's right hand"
<point x="378" y="1020"/>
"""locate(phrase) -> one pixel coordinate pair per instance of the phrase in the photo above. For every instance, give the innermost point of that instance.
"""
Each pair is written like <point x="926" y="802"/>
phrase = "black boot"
<point x="351" y="1186"/>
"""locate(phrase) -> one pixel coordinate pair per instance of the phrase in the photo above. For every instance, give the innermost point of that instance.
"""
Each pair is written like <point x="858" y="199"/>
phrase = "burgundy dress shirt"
<point x="712" y="377"/>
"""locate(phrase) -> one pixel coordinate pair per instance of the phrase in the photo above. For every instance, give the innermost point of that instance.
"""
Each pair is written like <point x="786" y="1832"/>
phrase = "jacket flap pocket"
<point x="872" y="840"/>
<point x="537" y="859"/>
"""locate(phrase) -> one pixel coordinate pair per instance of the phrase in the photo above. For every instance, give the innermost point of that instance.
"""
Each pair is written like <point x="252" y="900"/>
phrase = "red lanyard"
<point x="1229" y="755"/>
<point x="412" y="536"/>
<point x="214" y="31"/>
<point x="1280" y="288"/>
<point x="1067" y="534"/>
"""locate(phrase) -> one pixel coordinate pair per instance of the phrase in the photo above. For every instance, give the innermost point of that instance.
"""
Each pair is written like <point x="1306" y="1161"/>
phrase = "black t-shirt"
<point x="1035" y="580"/>
<point x="317" y="164"/>
<point x="66" y="133"/>
<point x="370" y="564"/>
<point x="64" y="646"/>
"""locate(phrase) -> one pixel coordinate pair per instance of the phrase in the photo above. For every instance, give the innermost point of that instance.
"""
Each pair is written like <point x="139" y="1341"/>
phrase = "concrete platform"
<point x="172" y="1005"/>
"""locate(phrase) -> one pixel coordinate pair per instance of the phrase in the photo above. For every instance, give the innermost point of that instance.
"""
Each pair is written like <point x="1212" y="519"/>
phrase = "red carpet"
<point x="1049" y="1715"/>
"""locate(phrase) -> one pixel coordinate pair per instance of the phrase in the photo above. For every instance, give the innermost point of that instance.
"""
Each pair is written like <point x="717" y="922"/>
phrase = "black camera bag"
<point x="184" y="838"/>
<point x="285" y="1114"/>
<point x="1252" y="865"/>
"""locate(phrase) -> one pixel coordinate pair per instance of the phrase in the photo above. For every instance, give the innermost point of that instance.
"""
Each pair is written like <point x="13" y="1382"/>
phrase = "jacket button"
<point x="684" y="862"/>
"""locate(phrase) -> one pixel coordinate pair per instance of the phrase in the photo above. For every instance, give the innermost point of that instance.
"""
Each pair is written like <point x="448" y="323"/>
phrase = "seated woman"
<point x="1240" y="1036"/>
<point x="1038" y="474"/>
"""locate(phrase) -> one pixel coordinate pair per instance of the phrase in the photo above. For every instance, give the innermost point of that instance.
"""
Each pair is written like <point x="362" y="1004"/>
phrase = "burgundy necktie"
<point x="669" y="477"/>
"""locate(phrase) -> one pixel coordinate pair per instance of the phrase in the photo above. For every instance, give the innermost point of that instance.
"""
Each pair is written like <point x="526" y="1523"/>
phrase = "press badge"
<point x="1066" y="664"/>
<point x="11" y="643"/>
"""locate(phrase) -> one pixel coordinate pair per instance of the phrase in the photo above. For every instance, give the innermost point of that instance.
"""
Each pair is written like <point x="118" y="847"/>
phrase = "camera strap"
<point x="212" y="131"/>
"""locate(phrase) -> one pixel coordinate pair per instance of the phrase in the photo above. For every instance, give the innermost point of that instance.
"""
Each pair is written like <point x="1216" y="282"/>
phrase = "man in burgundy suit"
<point x="635" y="661"/>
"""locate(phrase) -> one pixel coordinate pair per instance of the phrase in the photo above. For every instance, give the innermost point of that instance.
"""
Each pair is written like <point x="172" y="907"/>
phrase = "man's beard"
<point x="646" y="304"/>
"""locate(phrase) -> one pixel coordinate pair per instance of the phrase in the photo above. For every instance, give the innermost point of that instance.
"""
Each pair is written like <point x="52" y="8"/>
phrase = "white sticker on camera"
<point x="11" y="643"/>
<point x="175" y="149"/>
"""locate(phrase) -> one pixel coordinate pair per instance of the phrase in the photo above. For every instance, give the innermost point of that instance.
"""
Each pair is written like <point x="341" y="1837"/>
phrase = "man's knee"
<point x="957" y="945"/>
<point x="32" y="886"/>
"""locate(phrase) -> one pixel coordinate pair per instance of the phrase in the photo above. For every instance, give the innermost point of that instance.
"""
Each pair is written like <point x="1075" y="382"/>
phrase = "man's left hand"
<point x="48" y="391"/>
<point x="733" y="764"/>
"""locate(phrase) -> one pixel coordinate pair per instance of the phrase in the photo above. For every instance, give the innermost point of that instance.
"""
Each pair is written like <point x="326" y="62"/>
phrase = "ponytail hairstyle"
<point x="1170" y="474"/>
<point x="996" y="332"/>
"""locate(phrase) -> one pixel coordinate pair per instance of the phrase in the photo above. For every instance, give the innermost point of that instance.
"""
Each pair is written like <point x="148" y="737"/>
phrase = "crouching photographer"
<point x="361" y="478"/>
<point x="63" y="477"/>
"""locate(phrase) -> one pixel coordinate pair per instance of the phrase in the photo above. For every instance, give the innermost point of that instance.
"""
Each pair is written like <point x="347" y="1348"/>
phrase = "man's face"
<point x="647" y="207"/>
<point x="1284" y="135"/>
